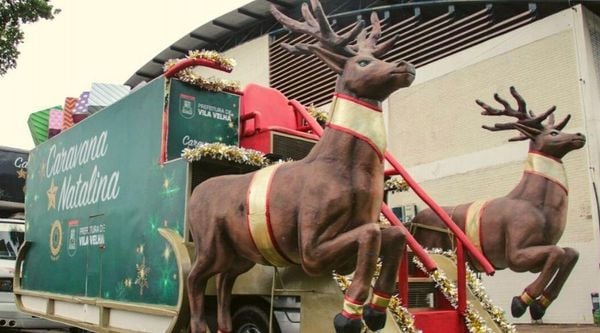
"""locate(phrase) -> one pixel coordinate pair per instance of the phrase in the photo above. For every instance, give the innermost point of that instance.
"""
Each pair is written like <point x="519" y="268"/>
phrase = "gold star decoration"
<point x="22" y="173"/>
<point x="42" y="169"/>
<point x="167" y="252"/>
<point x="52" y="195"/>
<point x="142" y="275"/>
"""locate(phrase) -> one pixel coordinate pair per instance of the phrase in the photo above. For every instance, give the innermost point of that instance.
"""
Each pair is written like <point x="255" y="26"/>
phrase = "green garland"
<point x="474" y="322"/>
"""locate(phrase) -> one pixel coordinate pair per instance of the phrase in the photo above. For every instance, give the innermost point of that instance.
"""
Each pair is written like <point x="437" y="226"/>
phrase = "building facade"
<point x="434" y="126"/>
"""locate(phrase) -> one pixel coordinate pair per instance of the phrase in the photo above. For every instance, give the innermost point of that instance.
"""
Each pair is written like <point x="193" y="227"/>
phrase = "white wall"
<point x="252" y="61"/>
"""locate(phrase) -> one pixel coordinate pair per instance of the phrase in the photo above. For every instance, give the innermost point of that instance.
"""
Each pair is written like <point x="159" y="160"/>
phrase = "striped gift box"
<point x="104" y="94"/>
<point x="55" y="122"/>
<point x="68" y="109"/>
<point x="38" y="125"/>
<point x="81" y="108"/>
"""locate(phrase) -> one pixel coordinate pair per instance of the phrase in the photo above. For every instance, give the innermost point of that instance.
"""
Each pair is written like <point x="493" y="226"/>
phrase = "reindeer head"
<point x="547" y="139"/>
<point x="361" y="73"/>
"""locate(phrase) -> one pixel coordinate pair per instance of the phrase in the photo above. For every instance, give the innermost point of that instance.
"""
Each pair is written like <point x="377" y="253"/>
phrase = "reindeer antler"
<point x="524" y="118"/>
<point x="370" y="44"/>
<point x="319" y="28"/>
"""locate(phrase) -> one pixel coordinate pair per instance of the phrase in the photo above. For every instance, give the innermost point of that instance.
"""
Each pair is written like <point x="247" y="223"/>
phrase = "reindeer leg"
<point x="197" y="280"/>
<point x="393" y="243"/>
<point x="364" y="242"/>
<point x="539" y="306"/>
<point x="532" y="258"/>
<point x="225" y="282"/>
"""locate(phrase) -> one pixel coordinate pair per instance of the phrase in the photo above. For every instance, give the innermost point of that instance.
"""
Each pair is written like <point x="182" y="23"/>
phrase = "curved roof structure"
<point x="254" y="19"/>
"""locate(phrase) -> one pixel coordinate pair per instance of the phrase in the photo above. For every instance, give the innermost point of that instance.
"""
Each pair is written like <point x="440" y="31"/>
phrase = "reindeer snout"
<point x="578" y="140"/>
<point x="406" y="67"/>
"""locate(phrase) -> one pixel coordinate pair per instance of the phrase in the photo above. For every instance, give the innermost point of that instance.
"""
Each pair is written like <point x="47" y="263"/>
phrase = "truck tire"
<point x="252" y="319"/>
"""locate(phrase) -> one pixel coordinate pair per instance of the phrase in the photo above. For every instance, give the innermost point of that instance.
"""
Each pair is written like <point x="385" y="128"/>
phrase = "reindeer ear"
<point x="529" y="132"/>
<point x="334" y="61"/>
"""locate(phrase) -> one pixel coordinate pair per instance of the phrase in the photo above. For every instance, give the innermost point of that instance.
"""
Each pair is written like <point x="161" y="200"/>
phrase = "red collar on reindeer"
<point x="548" y="167"/>
<point x="359" y="119"/>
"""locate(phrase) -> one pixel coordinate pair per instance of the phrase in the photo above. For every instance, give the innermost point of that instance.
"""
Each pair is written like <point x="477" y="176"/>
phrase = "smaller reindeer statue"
<point x="520" y="230"/>
<point x="319" y="212"/>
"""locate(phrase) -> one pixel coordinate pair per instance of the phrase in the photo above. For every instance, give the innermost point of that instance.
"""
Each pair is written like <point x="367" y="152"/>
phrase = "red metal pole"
<point x="461" y="277"/>
<point x="410" y="240"/>
<point x="314" y="125"/>
<point x="482" y="260"/>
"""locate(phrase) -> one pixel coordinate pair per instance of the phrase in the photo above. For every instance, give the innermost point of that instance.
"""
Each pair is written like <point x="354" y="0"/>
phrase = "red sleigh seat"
<point x="266" y="113"/>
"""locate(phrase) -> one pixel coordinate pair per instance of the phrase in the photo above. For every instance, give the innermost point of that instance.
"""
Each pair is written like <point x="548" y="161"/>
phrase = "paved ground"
<point x="549" y="328"/>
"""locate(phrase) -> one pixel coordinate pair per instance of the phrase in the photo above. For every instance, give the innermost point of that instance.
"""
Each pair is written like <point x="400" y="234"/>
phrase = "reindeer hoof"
<point x="346" y="325"/>
<point x="537" y="310"/>
<point x="374" y="319"/>
<point x="518" y="307"/>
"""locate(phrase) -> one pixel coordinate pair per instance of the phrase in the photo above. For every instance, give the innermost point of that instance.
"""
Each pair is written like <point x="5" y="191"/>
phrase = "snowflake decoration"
<point x="142" y="275"/>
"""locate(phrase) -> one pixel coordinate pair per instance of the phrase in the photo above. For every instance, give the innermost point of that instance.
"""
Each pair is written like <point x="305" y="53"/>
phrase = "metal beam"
<point x="145" y="74"/>
<point x="281" y="3"/>
<point x="225" y="25"/>
<point x="203" y="38"/>
<point x="178" y="49"/>
<point x="248" y="13"/>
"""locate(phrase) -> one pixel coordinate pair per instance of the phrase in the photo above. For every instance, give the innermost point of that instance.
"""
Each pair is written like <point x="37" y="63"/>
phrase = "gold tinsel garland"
<point x="474" y="322"/>
<point x="221" y="151"/>
<point x="395" y="184"/>
<point x="403" y="318"/>
<point x="319" y="115"/>
<point x="211" y="83"/>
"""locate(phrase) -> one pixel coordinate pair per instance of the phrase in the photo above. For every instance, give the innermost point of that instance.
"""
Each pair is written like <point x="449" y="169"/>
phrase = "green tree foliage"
<point x="13" y="13"/>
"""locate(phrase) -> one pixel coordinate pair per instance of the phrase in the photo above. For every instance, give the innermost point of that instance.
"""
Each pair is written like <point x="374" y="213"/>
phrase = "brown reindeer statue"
<point x="520" y="230"/>
<point x="319" y="212"/>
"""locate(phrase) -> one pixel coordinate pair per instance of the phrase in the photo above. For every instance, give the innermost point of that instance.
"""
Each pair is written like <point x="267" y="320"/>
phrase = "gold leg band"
<point x="544" y="301"/>
<point x="525" y="298"/>
<point x="352" y="309"/>
<point x="380" y="301"/>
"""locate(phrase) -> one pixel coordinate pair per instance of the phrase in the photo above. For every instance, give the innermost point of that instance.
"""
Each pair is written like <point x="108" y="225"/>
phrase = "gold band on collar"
<point x="548" y="168"/>
<point x="258" y="216"/>
<point x="359" y="119"/>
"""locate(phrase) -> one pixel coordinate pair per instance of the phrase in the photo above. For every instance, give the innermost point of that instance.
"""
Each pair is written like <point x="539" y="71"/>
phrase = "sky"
<point x="91" y="41"/>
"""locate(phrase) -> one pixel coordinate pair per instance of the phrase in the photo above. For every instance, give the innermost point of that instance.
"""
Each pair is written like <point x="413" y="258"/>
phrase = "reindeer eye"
<point x="363" y="63"/>
<point x="554" y="133"/>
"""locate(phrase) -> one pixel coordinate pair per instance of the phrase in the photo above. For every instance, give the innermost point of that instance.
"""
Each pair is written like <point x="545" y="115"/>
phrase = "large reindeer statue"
<point x="520" y="230"/>
<point x="319" y="212"/>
